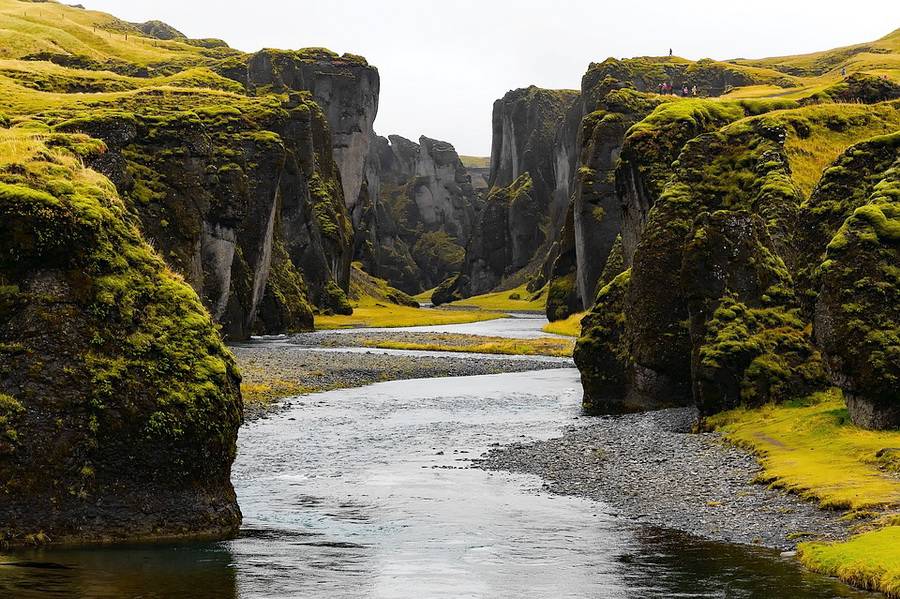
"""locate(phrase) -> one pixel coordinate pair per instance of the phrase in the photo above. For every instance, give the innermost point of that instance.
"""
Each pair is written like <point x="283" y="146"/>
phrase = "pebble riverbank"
<point x="651" y="469"/>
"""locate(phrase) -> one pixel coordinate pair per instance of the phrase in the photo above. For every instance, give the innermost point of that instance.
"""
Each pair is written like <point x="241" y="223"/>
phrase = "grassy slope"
<point x="370" y="313"/>
<point x="811" y="448"/>
<point x="570" y="327"/>
<point x="476" y="161"/>
<point x="815" y="72"/>
<point x="511" y="300"/>
<point x="372" y="307"/>
<point x="50" y="27"/>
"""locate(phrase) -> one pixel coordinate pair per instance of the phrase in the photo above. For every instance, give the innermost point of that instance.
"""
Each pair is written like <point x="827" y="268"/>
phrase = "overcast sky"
<point x="443" y="63"/>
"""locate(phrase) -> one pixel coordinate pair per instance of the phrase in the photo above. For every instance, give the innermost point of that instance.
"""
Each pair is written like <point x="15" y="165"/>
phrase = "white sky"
<point x="444" y="63"/>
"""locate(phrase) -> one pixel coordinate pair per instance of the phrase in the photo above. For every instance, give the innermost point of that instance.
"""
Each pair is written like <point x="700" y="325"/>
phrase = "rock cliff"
<point x="615" y="95"/>
<point x="243" y="199"/>
<point x="738" y="286"/>
<point x="345" y="87"/>
<point x="119" y="404"/>
<point x="425" y="211"/>
<point x="532" y="160"/>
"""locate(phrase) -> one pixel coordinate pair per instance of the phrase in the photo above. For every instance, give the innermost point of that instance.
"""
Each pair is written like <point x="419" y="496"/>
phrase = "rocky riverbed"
<point x="651" y="469"/>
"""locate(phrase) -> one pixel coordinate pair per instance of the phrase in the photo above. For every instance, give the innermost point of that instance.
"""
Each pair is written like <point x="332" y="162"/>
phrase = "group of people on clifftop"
<point x="668" y="89"/>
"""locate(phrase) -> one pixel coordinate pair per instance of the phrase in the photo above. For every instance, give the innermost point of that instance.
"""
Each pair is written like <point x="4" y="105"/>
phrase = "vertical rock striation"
<point x="531" y="166"/>
<point x="425" y="211"/>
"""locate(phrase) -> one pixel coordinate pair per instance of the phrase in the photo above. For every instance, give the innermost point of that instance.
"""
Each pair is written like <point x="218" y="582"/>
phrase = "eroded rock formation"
<point x="531" y="167"/>
<point x="119" y="404"/>
<point x="738" y="288"/>
<point x="232" y="195"/>
<point x="424" y="212"/>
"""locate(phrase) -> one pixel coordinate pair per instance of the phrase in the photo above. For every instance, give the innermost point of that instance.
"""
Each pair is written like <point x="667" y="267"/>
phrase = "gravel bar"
<point x="321" y="370"/>
<point x="651" y="469"/>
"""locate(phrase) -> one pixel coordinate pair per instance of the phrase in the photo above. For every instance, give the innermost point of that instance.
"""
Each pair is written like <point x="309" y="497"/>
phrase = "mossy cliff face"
<point x="857" y="284"/>
<point x="502" y="243"/>
<point x="601" y="353"/>
<point x="256" y="180"/>
<point x="738" y="292"/>
<point x="118" y="402"/>
<point x="230" y="188"/>
<point x="346" y="87"/>
<point x="425" y="211"/>
<point x="525" y="127"/>
<point x="597" y="218"/>
<point x="531" y="142"/>
<point x="615" y="95"/>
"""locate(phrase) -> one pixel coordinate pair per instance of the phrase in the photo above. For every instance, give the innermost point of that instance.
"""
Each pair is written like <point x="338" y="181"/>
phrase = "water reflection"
<point x="152" y="571"/>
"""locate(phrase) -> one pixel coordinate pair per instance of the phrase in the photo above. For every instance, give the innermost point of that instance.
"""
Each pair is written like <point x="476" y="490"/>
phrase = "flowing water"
<point x="368" y="493"/>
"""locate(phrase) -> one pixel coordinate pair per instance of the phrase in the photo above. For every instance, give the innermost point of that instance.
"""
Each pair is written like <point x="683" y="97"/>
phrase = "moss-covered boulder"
<point x="857" y="309"/>
<point x="449" y="290"/>
<point x="119" y="404"/>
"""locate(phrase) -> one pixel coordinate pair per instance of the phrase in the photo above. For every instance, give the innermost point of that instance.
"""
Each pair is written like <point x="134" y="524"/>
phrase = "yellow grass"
<point x="813" y="449"/>
<point x="544" y="346"/>
<point x="263" y="394"/>
<point x="384" y="315"/>
<point x="570" y="327"/>
<point x="810" y="156"/>
<point x="512" y="300"/>
<point x="425" y="296"/>
<point x="870" y="560"/>
<point x="476" y="161"/>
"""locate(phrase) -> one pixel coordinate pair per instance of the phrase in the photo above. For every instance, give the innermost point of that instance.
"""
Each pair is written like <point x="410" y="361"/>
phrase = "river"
<point x="367" y="492"/>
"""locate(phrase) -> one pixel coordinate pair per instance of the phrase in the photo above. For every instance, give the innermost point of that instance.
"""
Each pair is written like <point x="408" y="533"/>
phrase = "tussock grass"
<point x="512" y="300"/>
<point x="571" y="326"/>
<point x="544" y="346"/>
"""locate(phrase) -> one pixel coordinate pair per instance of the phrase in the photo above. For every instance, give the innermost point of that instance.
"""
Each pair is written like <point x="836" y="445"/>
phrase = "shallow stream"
<point x="368" y="493"/>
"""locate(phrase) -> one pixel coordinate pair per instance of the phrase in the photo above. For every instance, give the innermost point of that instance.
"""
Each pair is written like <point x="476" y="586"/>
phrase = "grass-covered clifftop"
<point x="226" y="158"/>
<point x="120" y="403"/>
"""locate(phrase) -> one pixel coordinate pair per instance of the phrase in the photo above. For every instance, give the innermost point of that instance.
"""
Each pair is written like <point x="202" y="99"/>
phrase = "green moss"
<point x="143" y="366"/>
<point x="558" y="296"/>
<point x="335" y="299"/>
<point x="870" y="560"/>
<point x="602" y="353"/>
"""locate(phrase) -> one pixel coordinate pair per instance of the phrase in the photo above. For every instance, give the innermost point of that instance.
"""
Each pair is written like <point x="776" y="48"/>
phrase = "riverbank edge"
<point x="583" y="461"/>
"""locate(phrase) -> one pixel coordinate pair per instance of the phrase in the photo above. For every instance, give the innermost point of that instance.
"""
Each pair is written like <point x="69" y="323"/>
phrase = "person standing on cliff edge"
<point x="670" y="51"/>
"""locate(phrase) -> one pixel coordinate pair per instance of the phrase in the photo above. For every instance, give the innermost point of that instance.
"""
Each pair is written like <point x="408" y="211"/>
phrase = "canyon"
<point x="727" y="248"/>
